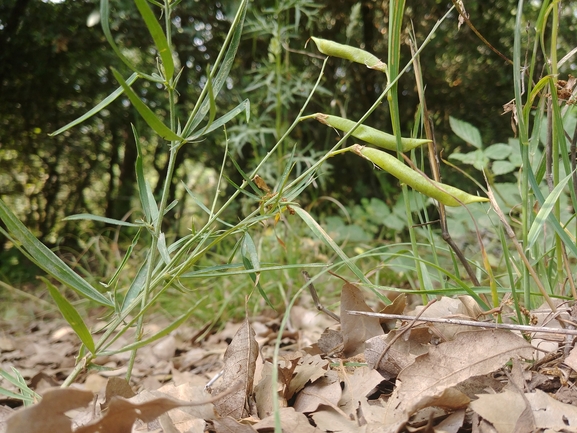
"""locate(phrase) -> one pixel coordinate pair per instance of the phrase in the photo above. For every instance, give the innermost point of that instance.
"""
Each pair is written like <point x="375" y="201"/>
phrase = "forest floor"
<point x="364" y="374"/>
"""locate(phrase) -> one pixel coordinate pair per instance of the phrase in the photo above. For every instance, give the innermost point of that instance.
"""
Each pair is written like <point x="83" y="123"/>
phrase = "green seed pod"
<point x="334" y="49"/>
<point x="368" y="134"/>
<point x="446" y="194"/>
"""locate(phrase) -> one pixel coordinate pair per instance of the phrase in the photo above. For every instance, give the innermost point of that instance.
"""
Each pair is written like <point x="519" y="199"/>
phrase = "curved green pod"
<point x="334" y="49"/>
<point x="446" y="194"/>
<point x="369" y="134"/>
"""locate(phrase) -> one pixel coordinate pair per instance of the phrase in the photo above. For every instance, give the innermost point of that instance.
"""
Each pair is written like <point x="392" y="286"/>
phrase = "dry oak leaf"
<point x="48" y="415"/>
<point x="432" y="376"/>
<point x="356" y="329"/>
<point x="324" y="391"/>
<point x="239" y="367"/>
<point x="357" y="387"/>
<point x="501" y="410"/>
<point x="291" y="421"/>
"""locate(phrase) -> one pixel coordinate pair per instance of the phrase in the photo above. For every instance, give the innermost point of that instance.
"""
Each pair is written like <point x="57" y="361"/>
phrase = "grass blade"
<point x="87" y="216"/>
<point x="544" y="212"/>
<point x="46" y="260"/>
<point x="105" y="102"/>
<point x="71" y="316"/>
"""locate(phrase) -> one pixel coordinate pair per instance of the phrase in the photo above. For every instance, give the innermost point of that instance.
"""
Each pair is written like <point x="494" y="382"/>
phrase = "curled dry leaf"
<point x="356" y="329"/>
<point x="122" y="414"/>
<point x="48" y="415"/>
<point x="431" y="376"/>
<point x="239" y="367"/>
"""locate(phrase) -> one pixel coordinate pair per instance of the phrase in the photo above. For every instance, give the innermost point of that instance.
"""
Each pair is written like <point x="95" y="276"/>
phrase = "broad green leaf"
<point x="46" y="260"/>
<point x="105" y="102"/>
<point x="502" y="167"/>
<point x="149" y="117"/>
<point x="87" y="216"/>
<point x="158" y="37"/>
<point x="466" y="131"/>
<point x="71" y="316"/>
<point x="544" y="212"/>
<point x="498" y="151"/>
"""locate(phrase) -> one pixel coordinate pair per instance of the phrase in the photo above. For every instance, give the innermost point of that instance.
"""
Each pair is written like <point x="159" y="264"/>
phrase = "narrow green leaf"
<point x="46" y="260"/>
<point x="146" y="198"/>
<point x="158" y="36"/>
<point x="87" y="216"/>
<point x="149" y="117"/>
<point x="105" y="102"/>
<point x="174" y="325"/>
<point x="137" y="286"/>
<point x="124" y="259"/>
<point x="551" y="217"/>
<point x="466" y="131"/>
<point x="71" y="316"/>
<point x="162" y="248"/>
<point x="544" y="212"/>
<point x="104" y="22"/>
<point x="248" y="250"/>
<point x="232" y="41"/>
<point x="324" y="236"/>
<point x="243" y="106"/>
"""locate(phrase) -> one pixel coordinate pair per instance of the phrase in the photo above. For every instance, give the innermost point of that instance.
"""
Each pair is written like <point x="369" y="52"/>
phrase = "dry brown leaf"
<point x="357" y="386"/>
<point x="331" y="342"/>
<point x="324" y="391"/>
<point x="230" y="425"/>
<point x="117" y="387"/>
<point x="448" y="364"/>
<point x="263" y="393"/>
<point x="310" y="369"/>
<point x="502" y="410"/>
<point x="239" y="367"/>
<point x="391" y="359"/>
<point x="571" y="359"/>
<point x="396" y="307"/>
<point x="356" y="329"/>
<point x="329" y="420"/>
<point x="122" y="414"/>
<point x="48" y="415"/>
<point x="552" y="414"/>
<point x="451" y="424"/>
<point x="291" y="421"/>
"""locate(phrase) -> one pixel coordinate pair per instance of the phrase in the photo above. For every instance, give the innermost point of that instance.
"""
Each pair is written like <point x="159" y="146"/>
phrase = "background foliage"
<point x="53" y="67"/>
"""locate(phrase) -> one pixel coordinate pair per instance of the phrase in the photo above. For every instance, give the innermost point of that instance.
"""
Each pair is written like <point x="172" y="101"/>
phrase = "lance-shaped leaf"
<point x="149" y="117"/>
<point x="45" y="259"/>
<point x="105" y="102"/>
<point x="72" y="316"/>
<point x="158" y="36"/>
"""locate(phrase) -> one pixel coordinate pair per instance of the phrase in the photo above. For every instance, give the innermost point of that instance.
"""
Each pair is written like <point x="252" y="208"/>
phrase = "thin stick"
<point x="487" y="325"/>
<point x="316" y="299"/>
